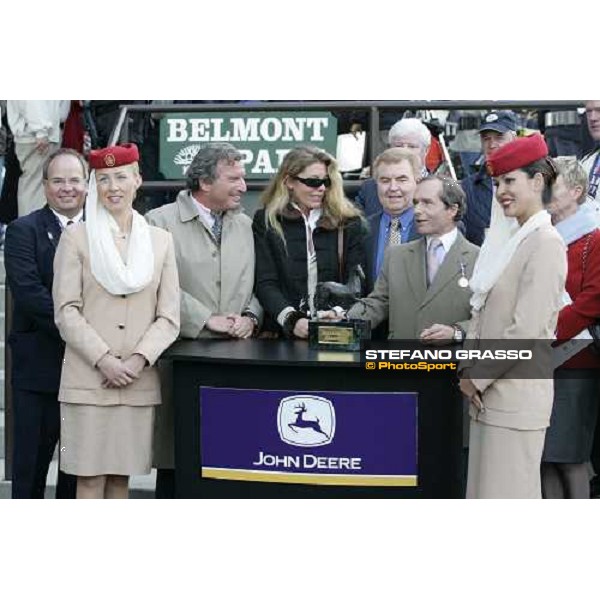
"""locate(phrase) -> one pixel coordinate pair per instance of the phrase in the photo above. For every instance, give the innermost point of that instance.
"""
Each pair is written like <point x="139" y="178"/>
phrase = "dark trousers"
<point x="36" y="433"/>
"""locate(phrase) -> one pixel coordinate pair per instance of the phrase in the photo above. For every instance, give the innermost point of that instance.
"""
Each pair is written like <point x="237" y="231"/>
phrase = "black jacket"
<point x="282" y="274"/>
<point x="37" y="348"/>
<point x="479" y="191"/>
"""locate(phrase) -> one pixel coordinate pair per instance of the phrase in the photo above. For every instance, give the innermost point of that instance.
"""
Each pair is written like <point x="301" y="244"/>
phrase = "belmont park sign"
<point x="263" y="137"/>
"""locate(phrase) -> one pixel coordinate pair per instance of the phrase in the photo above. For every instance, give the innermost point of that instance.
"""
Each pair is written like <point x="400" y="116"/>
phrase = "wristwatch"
<point x="459" y="334"/>
<point x="253" y="318"/>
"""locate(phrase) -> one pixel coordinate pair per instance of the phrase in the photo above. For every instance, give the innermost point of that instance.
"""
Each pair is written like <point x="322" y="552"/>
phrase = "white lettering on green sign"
<point x="263" y="138"/>
<point x="247" y="130"/>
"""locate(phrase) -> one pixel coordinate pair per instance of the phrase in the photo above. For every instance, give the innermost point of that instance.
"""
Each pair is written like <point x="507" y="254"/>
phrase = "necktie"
<point x="217" y="226"/>
<point x="435" y="256"/>
<point x="394" y="237"/>
<point x="69" y="223"/>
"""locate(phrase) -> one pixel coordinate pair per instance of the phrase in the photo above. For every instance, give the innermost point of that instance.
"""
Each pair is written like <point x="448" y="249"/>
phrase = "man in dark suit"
<point x="37" y="349"/>
<point x="498" y="128"/>
<point x="396" y="172"/>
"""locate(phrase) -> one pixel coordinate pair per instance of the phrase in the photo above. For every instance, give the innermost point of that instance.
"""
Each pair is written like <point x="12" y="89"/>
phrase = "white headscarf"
<point x="498" y="248"/>
<point x="106" y="263"/>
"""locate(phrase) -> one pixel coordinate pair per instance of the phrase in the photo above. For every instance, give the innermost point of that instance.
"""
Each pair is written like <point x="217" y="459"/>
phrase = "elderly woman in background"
<point x="518" y="285"/>
<point x="116" y="299"/>
<point x="570" y="436"/>
<point x="307" y="232"/>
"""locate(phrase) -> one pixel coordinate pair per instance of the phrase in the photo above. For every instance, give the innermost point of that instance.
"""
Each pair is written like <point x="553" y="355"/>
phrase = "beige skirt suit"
<point x="507" y="438"/>
<point x="109" y="431"/>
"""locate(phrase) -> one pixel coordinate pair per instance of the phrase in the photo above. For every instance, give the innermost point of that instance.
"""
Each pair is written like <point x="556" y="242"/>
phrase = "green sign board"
<point x="263" y="137"/>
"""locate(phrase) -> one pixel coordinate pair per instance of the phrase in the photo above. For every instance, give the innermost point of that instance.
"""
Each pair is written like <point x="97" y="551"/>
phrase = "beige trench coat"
<point x="94" y="322"/>
<point x="213" y="280"/>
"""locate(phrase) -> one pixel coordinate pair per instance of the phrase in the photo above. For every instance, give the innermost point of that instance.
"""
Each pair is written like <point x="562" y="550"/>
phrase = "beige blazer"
<point x="401" y="290"/>
<point x="523" y="305"/>
<point x="94" y="322"/>
<point x="213" y="279"/>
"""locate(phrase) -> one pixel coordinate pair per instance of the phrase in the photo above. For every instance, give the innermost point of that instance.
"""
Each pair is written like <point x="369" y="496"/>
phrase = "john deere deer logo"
<point x="306" y="420"/>
<point x="303" y="423"/>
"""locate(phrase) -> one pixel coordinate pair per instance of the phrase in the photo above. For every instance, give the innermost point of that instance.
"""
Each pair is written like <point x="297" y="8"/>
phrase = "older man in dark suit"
<point x="396" y="172"/>
<point x="37" y="349"/>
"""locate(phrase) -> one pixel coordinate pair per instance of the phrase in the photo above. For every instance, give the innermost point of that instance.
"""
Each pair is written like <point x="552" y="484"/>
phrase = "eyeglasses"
<point x="314" y="182"/>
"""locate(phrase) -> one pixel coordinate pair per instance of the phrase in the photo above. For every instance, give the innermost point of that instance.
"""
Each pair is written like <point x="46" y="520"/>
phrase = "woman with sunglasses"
<point x="307" y="232"/>
<point x="518" y="288"/>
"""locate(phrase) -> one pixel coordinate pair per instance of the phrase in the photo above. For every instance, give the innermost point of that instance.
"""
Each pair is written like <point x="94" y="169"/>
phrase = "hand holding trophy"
<point x="330" y="329"/>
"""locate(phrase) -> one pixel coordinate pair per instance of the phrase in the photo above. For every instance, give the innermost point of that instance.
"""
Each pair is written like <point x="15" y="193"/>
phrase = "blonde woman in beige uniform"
<point x="116" y="299"/>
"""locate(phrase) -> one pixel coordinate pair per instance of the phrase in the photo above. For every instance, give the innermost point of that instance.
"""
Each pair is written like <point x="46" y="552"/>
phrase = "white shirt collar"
<point x="313" y="216"/>
<point x="205" y="214"/>
<point x="447" y="239"/>
<point x="64" y="220"/>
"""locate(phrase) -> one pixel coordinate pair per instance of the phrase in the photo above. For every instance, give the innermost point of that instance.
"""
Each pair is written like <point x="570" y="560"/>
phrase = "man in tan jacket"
<point x="423" y="285"/>
<point x="214" y="249"/>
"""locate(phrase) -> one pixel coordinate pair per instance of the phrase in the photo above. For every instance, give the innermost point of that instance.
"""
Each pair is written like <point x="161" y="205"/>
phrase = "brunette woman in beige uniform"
<point x="518" y="284"/>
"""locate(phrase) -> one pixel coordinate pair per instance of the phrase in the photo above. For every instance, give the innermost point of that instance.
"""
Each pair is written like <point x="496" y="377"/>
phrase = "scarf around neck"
<point x="116" y="276"/>
<point x="581" y="223"/>
<point x="499" y="247"/>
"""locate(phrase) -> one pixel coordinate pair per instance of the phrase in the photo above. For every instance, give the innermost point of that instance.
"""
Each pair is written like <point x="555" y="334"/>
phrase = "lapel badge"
<point x="463" y="282"/>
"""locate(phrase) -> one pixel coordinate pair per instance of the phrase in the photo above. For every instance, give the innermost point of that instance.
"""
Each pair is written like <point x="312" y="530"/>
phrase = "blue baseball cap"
<point x="500" y="121"/>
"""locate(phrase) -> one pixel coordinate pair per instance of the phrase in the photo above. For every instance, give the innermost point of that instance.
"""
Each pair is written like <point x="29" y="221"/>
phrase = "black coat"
<point x="37" y="348"/>
<point x="367" y="198"/>
<point x="282" y="274"/>
<point x="479" y="191"/>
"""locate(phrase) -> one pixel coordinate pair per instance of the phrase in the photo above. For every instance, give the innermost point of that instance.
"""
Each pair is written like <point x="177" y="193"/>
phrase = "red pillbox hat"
<point x="114" y="156"/>
<point x="516" y="154"/>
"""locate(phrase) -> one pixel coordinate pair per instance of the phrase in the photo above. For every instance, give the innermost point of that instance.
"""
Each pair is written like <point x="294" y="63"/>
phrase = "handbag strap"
<point x="340" y="249"/>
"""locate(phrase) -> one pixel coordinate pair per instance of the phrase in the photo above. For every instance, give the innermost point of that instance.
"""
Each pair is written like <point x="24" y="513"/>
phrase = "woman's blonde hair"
<point x="336" y="207"/>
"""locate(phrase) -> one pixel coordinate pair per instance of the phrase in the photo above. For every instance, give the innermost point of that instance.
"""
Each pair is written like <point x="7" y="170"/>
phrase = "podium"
<point x="245" y="388"/>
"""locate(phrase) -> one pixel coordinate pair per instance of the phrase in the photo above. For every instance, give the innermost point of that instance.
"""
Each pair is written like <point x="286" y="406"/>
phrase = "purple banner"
<point x="329" y="438"/>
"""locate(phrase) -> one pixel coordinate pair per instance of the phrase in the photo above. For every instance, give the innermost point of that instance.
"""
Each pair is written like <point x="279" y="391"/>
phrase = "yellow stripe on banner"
<point x="278" y="477"/>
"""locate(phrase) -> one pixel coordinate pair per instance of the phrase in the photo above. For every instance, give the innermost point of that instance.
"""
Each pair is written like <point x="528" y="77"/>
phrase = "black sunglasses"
<point x="314" y="182"/>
